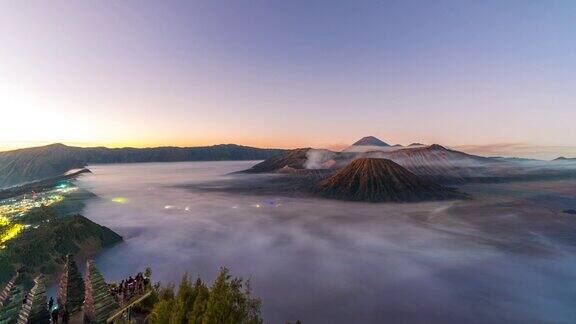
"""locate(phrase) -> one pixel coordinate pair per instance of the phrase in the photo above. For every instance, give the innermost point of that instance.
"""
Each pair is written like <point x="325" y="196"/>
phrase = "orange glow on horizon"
<point x="8" y="146"/>
<point x="498" y="149"/>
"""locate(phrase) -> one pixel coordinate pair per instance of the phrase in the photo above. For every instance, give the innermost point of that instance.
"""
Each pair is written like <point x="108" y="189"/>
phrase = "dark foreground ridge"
<point x="381" y="180"/>
<point x="42" y="248"/>
<point x="93" y="300"/>
<point x="88" y="300"/>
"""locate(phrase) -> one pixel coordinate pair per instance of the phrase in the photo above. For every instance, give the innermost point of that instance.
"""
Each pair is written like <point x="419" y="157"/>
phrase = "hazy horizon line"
<point x="509" y="150"/>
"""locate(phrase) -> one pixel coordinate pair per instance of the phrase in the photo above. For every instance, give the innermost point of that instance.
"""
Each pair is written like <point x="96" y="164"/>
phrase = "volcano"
<point x="367" y="144"/>
<point x="440" y="163"/>
<point x="381" y="180"/>
<point x="370" y="141"/>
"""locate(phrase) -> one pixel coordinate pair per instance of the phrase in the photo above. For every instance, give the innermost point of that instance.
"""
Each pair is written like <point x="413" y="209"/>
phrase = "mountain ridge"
<point x="41" y="162"/>
<point x="563" y="158"/>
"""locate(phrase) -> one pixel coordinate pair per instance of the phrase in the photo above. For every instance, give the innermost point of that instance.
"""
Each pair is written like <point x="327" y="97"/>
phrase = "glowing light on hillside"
<point x="13" y="208"/>
<point x="10" y="233"/>
<point x="120" y="200"/>
<point x="63" y="185"/>
<point x="4" y="221"/>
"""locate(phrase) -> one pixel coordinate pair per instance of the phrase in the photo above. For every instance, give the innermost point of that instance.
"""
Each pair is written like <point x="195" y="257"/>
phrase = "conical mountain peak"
<point x="381" y="180"/>
<point x="370" y="141"/>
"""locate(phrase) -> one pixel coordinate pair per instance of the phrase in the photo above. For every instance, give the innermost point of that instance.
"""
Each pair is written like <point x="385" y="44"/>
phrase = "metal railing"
<point x="129" y="304"/>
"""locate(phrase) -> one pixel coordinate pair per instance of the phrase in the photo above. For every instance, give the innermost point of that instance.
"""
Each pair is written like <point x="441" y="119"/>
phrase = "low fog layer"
<point x="506" y="256"/>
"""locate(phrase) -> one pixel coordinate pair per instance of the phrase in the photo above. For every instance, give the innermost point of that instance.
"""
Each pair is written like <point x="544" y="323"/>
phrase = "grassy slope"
<point x="55" y="232"/>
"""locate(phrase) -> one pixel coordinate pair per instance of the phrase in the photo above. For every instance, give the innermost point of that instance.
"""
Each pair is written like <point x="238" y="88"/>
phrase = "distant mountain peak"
<point x="561" y="158"/>
<point x="370" y="141"/>
<point x="56" y="145"/>
<point x="436" y="147"/>
<point x="416" y="144"/>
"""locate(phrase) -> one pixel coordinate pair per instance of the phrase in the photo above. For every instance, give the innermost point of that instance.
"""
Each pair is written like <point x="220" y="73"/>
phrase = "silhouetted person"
<point x="65" y="316"/>
<point x="55" y="316"/>
<point x="50" y="304"/>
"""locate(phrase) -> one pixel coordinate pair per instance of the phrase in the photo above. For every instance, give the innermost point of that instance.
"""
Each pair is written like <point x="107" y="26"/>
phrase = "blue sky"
<point x="289" y="73"/>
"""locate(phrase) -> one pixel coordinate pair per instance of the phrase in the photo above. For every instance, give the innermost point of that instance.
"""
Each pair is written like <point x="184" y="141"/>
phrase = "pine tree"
<point x="11" y="309"/>
<point x="229" y="304"/>
<point x="166" y="293"/>
<point x="179" y="312"/>
<point x="183" y="302"/>
<point x="198" y="309"/>
<point x="35" y="311"/>
<point x="71" y="287"/>
<point x="5" y="294"/>
<point x="99" y="303"/>
<point x="162" y="312"/>
<point x="228" y="301"/>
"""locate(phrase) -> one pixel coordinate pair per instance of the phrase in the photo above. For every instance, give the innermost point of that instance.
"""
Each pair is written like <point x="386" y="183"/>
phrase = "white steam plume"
<point x="318" y="159"/>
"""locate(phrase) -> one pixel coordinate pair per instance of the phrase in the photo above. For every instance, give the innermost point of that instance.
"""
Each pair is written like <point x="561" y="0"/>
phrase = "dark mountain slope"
<point x="434" y="162"/>
<point x="40" y="185"/>
<point x="41" y="247"/>
<point x="37" y="163"/>
<point x="31" y="164"/>
<point x="564" y="159"/>
<point x="293" y="159"/>
<point x="381" y="180"/>
<point x="439" y="162"/>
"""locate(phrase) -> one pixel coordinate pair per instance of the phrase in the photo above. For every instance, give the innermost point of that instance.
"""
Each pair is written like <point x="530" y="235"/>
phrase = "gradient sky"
<point x="486" y="75"/>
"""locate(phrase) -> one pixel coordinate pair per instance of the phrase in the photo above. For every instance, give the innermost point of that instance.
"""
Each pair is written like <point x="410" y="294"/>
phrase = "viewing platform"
<point x="125" y="311"/>
<point x="79" y="300"/>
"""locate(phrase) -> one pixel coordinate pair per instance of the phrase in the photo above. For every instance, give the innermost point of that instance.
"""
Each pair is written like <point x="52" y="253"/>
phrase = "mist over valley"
<point x="474" y="260"/>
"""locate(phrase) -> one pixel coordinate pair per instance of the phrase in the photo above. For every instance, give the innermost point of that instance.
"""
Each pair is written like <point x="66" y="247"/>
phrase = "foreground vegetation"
<point x="50" y="234"/>
<point x="227" y="301"/>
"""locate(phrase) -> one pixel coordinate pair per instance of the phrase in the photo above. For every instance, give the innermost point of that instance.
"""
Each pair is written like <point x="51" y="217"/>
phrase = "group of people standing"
<point x="122" y="292"/>
<point x="129" y="288"/>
